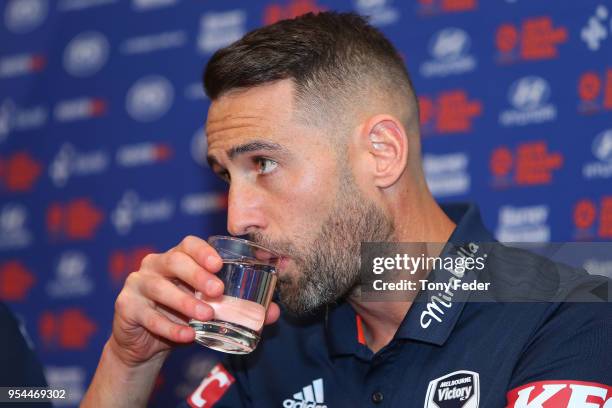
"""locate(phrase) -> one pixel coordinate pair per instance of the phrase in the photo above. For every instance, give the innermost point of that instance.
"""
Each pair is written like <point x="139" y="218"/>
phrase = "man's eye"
<point x="264" y="165"/>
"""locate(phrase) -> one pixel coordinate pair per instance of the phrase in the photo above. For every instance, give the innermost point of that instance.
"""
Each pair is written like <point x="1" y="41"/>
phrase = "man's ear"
<point x="388" y="148"/>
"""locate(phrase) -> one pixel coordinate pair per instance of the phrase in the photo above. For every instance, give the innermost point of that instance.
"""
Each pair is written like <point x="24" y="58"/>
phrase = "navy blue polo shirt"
<point x="469" y="354"/>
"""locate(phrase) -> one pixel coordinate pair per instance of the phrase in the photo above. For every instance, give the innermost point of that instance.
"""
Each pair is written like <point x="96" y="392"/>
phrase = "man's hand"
<point x="151" y="316"/>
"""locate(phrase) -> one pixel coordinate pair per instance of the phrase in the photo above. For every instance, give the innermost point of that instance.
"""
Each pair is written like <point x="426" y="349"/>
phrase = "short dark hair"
<point x="327" y="55"/>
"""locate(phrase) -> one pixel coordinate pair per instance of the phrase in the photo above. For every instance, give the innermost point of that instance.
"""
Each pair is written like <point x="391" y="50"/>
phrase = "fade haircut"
<point x="338" y="63"/>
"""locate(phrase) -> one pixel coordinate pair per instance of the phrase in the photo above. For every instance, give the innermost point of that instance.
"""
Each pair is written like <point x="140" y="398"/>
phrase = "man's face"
<point x="292" y="191"/>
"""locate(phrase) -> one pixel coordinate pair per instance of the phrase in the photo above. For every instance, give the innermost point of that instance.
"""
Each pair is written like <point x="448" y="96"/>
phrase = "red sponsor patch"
<point x="212" y="388"/>
<point x="560" y="394"/>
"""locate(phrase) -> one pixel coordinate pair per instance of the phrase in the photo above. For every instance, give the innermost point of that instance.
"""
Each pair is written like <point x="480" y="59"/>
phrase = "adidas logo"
<point x="311" y="396"/>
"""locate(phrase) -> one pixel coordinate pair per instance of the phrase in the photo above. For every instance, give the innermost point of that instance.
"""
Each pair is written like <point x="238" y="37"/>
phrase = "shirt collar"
<point x="341" y="319"/>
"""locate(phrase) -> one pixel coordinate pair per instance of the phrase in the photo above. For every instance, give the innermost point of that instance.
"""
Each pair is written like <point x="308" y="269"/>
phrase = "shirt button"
<point x="377" y="397"/>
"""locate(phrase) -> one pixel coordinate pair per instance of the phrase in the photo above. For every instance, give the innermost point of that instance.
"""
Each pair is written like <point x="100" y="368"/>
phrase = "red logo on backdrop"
<point x="555" y="394"/>
<point x="595" y="92"/>
<point x="212" y="388"/>
<point x="123" y="262"/>
<point x="591" y="221"/>
<point x="536" y="39"/>
<point x="451" y="112"/>
<point x="77" y="219"/>
<point x="15" y="281"/>
<point x="446" y="6"/>
<point x="529" y="164"/>
<point x="19" y="171"/>
<point x="275" y="12"/>
<point x="70" y="329"/>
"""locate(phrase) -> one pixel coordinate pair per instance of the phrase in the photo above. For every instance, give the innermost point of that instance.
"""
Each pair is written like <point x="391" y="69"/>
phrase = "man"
<point x="314" y="125"/>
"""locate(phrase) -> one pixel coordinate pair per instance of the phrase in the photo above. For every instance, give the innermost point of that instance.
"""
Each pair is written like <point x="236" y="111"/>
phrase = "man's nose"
<point x="244" y="210"/>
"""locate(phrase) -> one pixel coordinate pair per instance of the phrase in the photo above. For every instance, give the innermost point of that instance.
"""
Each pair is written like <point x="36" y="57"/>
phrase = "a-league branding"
<point x="149" y="98"/>
<point x="450" y="112"/>
<point x="80" y="109"/>
<point x="447" y="174"/>
<point x="593" y="219"/>
<point x="529" y="164"/>
<point x="86" y="54"/>
<point x="536" y="38"/>
<point x="14" y="118"/>
<point x="450" y="52"/>
<point x="23" y="16"/>
<point x="16" y="281"/>
<point x="70" y="162"/>
<point x="219" y="29"/>
<point x="274" y="12"/>
<point x="597" y="28"/>
<point x="429" y="7"/>
<point x="19" y="172"/>
<point x="595" y="91"/>
<point x="601" y="147"/>
<point x="459" y="389"/>
<point x="72" y="277"/>
<point x="131" y="210"/>
<point x="523" y="224"/>
<point x="14" y="231"/>
<point x="22" y="64"/>
<point x="529" y="97"/>
<point x="71" y="378"/>
<point x="381" y="12"/>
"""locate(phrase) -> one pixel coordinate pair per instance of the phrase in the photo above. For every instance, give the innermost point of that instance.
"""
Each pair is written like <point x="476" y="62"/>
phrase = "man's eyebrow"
<point x="253" y="146"/>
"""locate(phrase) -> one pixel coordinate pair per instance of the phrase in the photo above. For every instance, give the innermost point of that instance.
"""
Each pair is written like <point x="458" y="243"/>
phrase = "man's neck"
<point x="382" y="319"/>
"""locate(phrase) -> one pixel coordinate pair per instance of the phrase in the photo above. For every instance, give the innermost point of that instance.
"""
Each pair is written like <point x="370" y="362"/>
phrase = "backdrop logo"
<point x="75" y="220"/>
<point x="529" y="164"/>
<point x="143" y="5"/>
<point x="450" y="51"/>
<point x="203" y="203"/>
<point x="15" y="281"/>
<point x="149" y="98"/>
<point x="199" y="147"/>
<point x="71" y="276"/>
<point x="70" y="378"/>
<point x="22" y="64"/>
<point x="529" y="97"/>
<point x="596" y="30"/>
<point x="143" y="153"/>
<point x="122" y="262"/>
<point x="69" y="162"/>
<point x="536" y="39"/>
<point x="22" y="16"/>
<point x="70" y="329"/>
<point x="154" y="42"/>
<point x="132" y="210"/>
<point x="19" y="172"/>
<point x="450" y="112"/>
<point x="380" y="12"/>
<point x="73" y="5"/>
<point x="602" y="150"/>
<point x="15" y="118"/>
<point x="86" y="54"/>
<point x="447" y="174"/>
<point x="220" y="29"/>
<point x="79" y="109"/>
<point x="592" y="220"/>
<point x="13" y="231"/>
<point x="595" y="92"/>
<point x="275" y="12"/>
<point x="446" y="6"/>
<point x="523" y="224"/>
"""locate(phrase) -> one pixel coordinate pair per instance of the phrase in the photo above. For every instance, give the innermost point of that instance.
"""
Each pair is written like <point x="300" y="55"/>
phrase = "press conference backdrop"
<point x="102" y="144"/>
